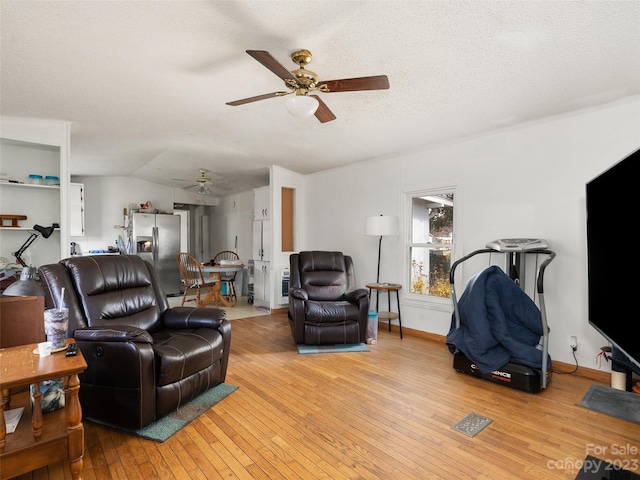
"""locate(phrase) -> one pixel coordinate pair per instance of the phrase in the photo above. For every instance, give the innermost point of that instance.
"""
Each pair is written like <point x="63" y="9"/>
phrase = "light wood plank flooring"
<point x="385" y="414"/>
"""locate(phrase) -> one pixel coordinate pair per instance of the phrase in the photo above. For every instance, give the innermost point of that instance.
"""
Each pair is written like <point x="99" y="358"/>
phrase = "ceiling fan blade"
<point x="323" y="113"/>
<point x="272" y="64"/>
<point x="380" y="82"/>
<point x="255" y="99"/>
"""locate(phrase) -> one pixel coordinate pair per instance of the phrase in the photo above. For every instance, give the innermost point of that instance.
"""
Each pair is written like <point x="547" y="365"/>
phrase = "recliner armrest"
<point x="356" y="294"/>
<point x="300" y="293"/>
<point x="190" y="317"/>
<point x="114" y="333"/>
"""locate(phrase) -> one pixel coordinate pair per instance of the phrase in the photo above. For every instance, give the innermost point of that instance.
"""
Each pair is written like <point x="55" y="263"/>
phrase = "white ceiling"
<point x="145" y="82"/>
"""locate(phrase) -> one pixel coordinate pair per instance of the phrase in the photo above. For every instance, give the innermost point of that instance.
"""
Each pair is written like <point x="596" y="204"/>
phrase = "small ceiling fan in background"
<point x="203" y="184"/>
<point x="302" y="81"/>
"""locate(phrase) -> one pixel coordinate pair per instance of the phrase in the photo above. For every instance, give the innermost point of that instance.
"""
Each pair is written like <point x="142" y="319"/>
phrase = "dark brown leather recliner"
<point x="144" y="358"/>
<point x="324" y="305"/>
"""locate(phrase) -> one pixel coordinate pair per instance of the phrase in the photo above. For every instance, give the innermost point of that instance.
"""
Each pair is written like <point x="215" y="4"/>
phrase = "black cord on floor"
<point x="572" y="371"/>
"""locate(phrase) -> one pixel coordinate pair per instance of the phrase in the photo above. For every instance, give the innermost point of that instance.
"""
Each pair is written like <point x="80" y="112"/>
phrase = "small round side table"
<point x="387" y="315"/>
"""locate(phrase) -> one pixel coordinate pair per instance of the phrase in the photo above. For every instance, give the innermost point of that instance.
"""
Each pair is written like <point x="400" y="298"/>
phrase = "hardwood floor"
<point x="386" y="414"/>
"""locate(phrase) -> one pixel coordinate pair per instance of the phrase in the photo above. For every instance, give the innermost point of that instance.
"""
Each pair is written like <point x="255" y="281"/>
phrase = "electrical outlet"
<point x="573" y="343"/>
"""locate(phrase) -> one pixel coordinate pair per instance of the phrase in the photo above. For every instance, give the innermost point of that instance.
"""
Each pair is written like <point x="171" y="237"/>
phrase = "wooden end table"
<point x="387" y="315"/>
<point x="40" y="439"/>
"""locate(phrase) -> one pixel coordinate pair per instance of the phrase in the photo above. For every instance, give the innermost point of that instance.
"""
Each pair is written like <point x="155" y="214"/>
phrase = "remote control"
<point x="72" y="350"/>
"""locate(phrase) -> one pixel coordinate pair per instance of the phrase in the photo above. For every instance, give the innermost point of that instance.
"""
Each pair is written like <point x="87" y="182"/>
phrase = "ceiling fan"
<point x="302" y="81"/>
<point x="202" y="183"/>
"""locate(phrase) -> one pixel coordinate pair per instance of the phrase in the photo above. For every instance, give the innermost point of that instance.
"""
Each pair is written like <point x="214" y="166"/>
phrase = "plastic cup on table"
<point x="56" y="324"/>
<point x="44" y="349"/>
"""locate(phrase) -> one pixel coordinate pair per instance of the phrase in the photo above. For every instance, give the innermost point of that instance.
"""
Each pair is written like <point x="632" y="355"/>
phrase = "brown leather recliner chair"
<point x="144" y="358"/>
<point x="324" y="305"/>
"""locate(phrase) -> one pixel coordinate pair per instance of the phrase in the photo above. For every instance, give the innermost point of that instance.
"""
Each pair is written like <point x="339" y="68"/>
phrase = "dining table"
<point x="215" y="294"/>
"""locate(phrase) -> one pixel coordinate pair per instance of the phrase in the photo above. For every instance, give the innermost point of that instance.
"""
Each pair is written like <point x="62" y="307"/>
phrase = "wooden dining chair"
<point x="228" y="278"/>
<point x="193" y="278"/>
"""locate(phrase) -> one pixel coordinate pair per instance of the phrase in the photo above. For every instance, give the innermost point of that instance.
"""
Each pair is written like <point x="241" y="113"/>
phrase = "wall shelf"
<point x="28" y="185"/>
<point x="40" y="146"/>
<point x="22" y="229"/>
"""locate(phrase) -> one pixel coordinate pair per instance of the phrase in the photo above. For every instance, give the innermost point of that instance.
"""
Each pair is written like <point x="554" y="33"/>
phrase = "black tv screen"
<point x="612" y="203"/>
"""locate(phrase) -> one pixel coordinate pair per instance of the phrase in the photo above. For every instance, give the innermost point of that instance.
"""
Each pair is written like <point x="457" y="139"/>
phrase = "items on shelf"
<point x="12" y="417"/>
<point x="14" y="219"/>
<point x="52" y="395"/>
<point x="35" y="179"/>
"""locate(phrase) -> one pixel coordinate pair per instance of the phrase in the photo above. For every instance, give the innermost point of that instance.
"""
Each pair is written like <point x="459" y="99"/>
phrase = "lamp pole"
<point x="379" y="250"/>
<point x="25" y="245"/>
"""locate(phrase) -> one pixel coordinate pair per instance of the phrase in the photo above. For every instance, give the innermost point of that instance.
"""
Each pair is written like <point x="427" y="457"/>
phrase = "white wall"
<point x="105" y="199"/>
<point x="231" y="225"/>
<point x="278" y="178"/>
<point x="337" y="203"/>
<point x="527" y="181"/>
<point x="231" y="229"/>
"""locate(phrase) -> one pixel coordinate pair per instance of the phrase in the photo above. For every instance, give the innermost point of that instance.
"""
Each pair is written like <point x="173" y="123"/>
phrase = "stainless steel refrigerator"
<point x="156" y="238"/>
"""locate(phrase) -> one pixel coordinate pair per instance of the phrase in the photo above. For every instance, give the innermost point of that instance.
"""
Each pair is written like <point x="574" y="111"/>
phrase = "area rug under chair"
<point x="342" y="348"/>
<point x="163" y="429"/>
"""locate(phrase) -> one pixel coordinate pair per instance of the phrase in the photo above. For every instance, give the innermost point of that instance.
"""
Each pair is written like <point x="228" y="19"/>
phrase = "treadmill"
<point x="516" y="252"/>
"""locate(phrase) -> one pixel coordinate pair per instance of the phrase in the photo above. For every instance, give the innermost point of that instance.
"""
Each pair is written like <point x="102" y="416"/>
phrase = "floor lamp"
<point x="380" y="226"/>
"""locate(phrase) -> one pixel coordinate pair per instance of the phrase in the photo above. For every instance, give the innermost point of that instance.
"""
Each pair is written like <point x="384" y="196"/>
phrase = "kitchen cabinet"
<point x="261" y="240"/>
<point x="262" y="284"/>
<point x="76" y="209"/>
<point x="261" y="252"/>
<point x="261" y="198"/>
<point x="29" y="147"/>
<point x="262" y="270"/>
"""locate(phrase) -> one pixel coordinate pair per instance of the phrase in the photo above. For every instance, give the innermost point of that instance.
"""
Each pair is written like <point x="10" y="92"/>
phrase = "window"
<point x="431" y="242"/>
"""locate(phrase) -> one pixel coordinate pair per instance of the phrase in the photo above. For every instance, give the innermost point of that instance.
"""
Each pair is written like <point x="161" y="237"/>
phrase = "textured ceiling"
<point x="145" y="82"/>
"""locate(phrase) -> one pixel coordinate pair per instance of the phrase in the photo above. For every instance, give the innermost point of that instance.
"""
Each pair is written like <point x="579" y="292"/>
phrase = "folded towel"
<point x="230" y="262"/>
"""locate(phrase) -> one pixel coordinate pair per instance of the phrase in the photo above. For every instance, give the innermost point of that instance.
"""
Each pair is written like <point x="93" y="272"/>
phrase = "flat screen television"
<point x="612" y="204"/>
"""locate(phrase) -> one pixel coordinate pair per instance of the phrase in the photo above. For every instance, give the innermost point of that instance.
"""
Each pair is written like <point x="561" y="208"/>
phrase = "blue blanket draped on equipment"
<point x="498" y="323"/>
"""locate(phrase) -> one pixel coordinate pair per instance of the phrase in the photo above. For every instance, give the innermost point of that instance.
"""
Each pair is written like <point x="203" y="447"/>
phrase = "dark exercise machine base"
<point x="512" y="374"/>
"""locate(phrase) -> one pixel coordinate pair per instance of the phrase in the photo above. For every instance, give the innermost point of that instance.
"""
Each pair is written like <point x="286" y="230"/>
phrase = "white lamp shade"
<point x="301" y="106"/>
<point x="381" y="225"/>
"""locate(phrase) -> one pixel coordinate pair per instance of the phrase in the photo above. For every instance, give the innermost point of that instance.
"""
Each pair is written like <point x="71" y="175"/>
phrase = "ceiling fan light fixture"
<point x="301" y="106"/>
<point x="203" y="189"/>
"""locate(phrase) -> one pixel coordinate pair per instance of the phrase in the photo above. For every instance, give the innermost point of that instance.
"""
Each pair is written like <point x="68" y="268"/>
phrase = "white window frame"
<point x="418" y="300"/>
